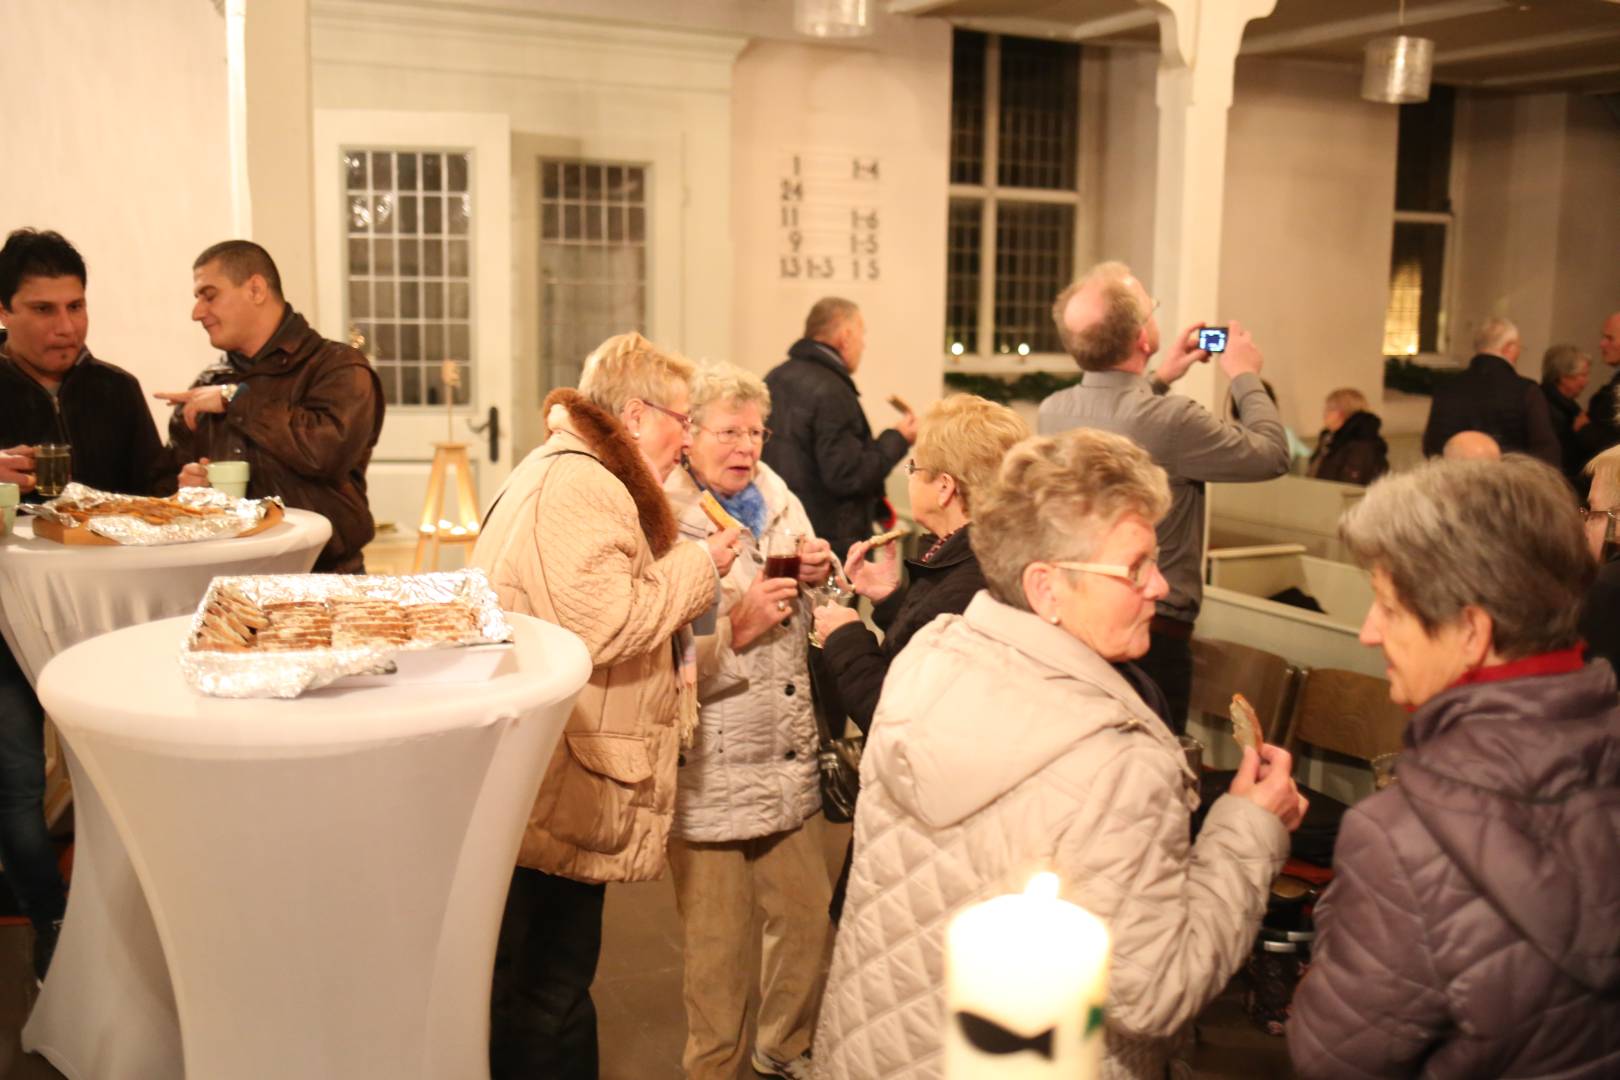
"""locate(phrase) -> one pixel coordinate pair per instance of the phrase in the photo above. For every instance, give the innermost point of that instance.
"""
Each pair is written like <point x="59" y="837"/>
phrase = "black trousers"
<point x="1169" y="664"/>
<point x="542" y="1019"/>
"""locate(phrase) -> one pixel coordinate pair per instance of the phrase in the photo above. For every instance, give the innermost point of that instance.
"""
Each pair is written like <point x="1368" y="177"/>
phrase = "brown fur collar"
<point x="613" y="446"/>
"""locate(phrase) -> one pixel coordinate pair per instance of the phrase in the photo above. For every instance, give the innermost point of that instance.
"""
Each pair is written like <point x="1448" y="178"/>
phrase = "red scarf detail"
<point x="1560" y="662"/>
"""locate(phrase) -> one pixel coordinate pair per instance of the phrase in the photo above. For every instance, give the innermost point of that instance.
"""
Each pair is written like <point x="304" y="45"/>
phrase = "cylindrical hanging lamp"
<point x="832" y="18"/>
<point x="1398" y="69"/>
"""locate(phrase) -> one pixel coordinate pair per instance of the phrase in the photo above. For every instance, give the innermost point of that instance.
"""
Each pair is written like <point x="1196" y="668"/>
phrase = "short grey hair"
<point x="1107" y="342"/>
<point x="1501" y="536"/>
<point x="828" y="316"/>
<point x="1562" y="361"/>
<point x="1054" y="499"/>
<point x="727" y="385"/>
<point x="1494" y="335"/>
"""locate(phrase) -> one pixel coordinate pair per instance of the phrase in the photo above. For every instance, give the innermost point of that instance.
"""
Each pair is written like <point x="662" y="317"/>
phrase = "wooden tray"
<point x="46" y="529"/>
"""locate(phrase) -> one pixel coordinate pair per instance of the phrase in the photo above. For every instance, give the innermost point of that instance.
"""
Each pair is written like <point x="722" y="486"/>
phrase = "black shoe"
<point x="45" y="947"/>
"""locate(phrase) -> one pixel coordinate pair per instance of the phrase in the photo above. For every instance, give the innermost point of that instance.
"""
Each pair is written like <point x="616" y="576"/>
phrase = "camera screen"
<point x="1212" y="339"/>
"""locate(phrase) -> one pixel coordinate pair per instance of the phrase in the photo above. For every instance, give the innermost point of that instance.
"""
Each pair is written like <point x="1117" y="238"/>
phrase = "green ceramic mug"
<point x="231" y="477"/>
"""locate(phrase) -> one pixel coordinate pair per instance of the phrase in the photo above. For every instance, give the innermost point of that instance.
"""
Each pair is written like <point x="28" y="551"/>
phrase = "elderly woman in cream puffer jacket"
<point x="748" y="784"/>
<point x="1016" y="738"/>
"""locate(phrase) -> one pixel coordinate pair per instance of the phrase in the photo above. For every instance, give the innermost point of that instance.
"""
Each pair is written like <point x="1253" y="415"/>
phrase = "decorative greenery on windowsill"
<point x="1410" y="377"/>
<point x="1031" y="386"/>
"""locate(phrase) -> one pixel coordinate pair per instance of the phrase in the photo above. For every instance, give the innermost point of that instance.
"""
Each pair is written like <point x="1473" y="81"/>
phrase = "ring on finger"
<point x="781" y="605"/>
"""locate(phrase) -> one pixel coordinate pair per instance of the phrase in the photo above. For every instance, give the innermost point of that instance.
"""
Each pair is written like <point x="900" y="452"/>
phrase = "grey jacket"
<point x="1002" y="746"/>
<point x="1191" y="444"/>
<point x="751" y="769"/>
<point x="1473" y="926"/>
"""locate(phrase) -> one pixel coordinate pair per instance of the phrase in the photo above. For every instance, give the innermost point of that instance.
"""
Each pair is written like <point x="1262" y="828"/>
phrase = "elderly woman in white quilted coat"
<point x="1015" y="738"/>
<point x="748" y="784"/>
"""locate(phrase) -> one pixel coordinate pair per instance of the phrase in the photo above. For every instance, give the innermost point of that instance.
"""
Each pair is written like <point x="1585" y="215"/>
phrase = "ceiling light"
<point x="1397" y="69"/>
<point x="832" y="18"/>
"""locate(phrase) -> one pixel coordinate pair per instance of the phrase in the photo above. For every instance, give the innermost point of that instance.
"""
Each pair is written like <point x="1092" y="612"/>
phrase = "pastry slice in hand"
<point x="716" y="513"/>
<point x="1246" y="723"/>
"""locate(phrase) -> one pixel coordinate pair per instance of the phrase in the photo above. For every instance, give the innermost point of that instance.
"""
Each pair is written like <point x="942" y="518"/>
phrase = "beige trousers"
<point x="718" y="888"/>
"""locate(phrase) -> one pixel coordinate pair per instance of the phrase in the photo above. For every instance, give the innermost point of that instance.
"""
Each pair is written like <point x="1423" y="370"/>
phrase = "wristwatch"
<point x="227" y="393"/>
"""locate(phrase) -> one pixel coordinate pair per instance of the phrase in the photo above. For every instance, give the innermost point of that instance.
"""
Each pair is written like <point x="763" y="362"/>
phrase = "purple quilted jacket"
<point x="1473" y="926"/>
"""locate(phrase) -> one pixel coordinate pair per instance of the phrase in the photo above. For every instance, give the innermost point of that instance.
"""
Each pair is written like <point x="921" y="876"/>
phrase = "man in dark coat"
<point x="1492" y="397"/>
<point x="1604" y="408"/>
<point x="1565" y="371"/>
<point x="822" y="445"/>
<point x="302" y="411"/>
<point x="1349" y="450"/>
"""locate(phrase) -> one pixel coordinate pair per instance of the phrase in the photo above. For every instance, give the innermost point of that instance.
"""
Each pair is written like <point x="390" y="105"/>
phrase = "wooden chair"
<point x="1346" y="712"/>
<point x="1224" y="668"/>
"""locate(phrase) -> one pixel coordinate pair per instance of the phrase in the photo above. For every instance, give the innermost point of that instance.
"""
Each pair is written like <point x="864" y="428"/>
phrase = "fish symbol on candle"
<point x="989" y="1037"/>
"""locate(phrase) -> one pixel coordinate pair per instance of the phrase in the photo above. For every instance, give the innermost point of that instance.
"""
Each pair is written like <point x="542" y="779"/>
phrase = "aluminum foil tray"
<point x="286" y="674"/>
<point x="230" y="516"/>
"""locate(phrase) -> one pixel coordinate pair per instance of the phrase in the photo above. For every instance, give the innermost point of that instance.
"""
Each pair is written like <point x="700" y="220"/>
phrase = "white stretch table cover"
<point x="58" y="595"/>
<point x="326" y="875"/>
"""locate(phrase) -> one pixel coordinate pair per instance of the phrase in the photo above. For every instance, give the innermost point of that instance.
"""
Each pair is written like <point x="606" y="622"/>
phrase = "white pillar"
<point x="1199" y="41"/>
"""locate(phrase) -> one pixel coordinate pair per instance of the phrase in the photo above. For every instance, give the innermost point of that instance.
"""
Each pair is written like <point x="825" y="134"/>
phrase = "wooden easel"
<point x="436" y="529"/>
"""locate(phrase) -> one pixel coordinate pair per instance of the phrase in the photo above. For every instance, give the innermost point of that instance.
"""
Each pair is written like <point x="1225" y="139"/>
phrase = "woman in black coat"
<point x="961" y="442"/>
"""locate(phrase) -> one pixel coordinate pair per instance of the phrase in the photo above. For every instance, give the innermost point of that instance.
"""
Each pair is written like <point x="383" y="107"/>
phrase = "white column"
<point x="1199" y="41"/>
<point x="280" y="142"/>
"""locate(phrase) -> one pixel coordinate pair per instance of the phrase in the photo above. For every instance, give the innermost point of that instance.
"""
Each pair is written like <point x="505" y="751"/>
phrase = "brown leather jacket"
<point x="306" y="417"/>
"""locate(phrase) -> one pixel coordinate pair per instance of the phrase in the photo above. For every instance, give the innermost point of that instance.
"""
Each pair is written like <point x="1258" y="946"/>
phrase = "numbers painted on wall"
<point x="830" y="216"/>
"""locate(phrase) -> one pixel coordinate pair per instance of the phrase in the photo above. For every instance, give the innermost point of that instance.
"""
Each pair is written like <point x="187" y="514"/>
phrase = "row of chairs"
<point x="1328" y="709"/>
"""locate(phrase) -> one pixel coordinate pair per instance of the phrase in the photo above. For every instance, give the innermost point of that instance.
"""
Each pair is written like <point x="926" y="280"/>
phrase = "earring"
<point x="636" y="434"/>
<point x="1053" y="619"/>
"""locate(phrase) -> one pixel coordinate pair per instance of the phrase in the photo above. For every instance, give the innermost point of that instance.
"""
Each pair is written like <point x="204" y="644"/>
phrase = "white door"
<point x="413" y="251"/>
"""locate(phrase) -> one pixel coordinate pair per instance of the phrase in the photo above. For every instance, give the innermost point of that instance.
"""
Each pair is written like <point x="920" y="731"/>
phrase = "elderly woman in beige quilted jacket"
<point x="748" y="787"/>
<point x="581" y="535"/>
<point x="1015" y="738"/>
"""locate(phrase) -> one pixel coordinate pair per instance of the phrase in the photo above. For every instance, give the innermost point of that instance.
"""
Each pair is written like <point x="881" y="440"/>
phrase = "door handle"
<point x="491" y="424"/>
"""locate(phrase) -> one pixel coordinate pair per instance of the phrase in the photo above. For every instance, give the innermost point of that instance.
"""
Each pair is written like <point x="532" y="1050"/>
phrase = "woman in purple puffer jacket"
<point x="1473" y="926"/>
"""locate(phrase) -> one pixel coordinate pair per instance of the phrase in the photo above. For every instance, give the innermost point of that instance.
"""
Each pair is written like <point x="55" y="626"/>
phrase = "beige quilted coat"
<point x="581" y="535"/>
<point x="1002" y="746"/>
<point x="751" y="771"/>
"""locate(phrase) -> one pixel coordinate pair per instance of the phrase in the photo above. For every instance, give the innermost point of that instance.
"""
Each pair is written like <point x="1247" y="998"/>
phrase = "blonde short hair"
<point x="1055" y="497"/>
<point x="1347" y="400"/>
<point x="1108" y="341"/>
<point x="1605" y="473"/>
<point x="720" y="383"/>
<point x="628" y="366"/>
<point x="967" y="438"/>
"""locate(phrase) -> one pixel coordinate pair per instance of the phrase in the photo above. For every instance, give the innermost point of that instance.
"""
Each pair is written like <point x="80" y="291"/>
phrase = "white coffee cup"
<point x="231" y="477"/>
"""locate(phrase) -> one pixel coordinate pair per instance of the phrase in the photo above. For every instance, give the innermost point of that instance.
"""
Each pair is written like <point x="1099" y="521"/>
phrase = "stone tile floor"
<point x="638" y="996"/>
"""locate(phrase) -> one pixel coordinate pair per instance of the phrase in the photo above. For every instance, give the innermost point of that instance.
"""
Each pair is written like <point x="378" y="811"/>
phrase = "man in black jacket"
<point x="1604" y="408"/>
<point x="1493" y="398"/>
<point x="51" y="389"/>
<point x="822" y="445"/>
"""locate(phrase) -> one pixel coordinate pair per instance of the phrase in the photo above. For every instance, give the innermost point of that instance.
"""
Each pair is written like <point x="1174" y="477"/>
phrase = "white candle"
<point x="1026" y="980"/>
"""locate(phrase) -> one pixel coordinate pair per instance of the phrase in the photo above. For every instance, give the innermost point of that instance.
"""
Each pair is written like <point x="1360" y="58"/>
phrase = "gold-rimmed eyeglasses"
<point x="731" y="436"/>
<point x="1612" y="513"/>
<point x="1138" y="575"/>
<point x="679" y="417"/>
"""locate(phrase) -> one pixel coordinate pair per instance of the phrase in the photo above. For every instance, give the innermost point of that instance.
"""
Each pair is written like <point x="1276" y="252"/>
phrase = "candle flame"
<point x="1043" y="885"/>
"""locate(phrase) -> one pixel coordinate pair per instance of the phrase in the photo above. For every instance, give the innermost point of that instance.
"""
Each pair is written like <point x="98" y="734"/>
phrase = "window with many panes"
<point x="408" y="274"/>
<point x="593" y="259"/>
<point x="1415" y="320"/>
<point x="1015" y="151"/>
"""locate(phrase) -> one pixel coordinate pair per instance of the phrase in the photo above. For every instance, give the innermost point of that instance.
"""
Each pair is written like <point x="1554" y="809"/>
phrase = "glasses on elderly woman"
<point x="679" y="417"/>
<point x="1137" y="576"/>
<point x="1588" y="513"/>
<point x="731" y="436"/>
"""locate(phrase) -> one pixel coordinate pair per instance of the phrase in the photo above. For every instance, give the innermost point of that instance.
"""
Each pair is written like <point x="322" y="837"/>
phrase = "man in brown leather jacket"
<point x="302" y="411"/>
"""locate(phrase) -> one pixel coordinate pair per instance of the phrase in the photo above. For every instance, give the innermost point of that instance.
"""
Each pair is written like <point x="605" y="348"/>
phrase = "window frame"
<point x="989" y="193"/>
<point x="1442" y="357"/>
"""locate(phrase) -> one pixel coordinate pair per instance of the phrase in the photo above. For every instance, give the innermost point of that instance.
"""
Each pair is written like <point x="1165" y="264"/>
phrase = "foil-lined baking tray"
<point x="224" y="516"/>
<point x="286" y="674"/>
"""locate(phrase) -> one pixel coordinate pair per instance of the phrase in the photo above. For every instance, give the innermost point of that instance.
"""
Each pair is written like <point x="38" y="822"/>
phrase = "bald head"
<point x="1609" y="344"/>
<point x="1471" y="446"/>
<point x="1105" y="320"/>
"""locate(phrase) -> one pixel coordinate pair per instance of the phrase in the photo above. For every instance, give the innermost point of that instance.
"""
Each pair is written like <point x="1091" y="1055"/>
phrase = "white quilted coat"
<point x="1003" y="746"/>
<point x="751" y="771"/>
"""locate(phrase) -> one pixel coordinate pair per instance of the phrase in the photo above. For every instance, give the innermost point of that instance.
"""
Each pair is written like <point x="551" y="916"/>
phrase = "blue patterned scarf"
<point x="747" y="506"/>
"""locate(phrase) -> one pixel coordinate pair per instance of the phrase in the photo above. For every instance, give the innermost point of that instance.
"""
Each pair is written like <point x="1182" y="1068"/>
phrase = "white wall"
<point x="1310" y="196"/>
<point x="115" y="136"/>
<point x="891" y="101"/>
<point x="1588" y="288"/>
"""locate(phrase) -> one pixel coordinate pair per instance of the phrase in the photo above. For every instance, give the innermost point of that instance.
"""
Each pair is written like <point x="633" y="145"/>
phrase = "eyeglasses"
<point x="1150" y="312"/>
<point x="731" y="436"/>
<point x="679" y="417"/>
<point x="1137" y="576"/>
<point x="912" y="468"/>
<point x="1613" y="513"/>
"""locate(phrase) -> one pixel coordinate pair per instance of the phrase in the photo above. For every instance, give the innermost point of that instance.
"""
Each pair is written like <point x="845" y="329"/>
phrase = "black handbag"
<point x="837" y="756"/>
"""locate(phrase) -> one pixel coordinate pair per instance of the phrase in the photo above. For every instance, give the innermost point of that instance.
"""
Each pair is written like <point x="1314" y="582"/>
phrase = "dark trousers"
<point x="25" y="845"/>
<point x="1169" y="664"/>
<point x="542" y="1020"/>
